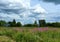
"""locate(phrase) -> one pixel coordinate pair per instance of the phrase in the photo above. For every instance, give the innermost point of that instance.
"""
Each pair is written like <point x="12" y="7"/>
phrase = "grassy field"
<point x="28" y="34"/>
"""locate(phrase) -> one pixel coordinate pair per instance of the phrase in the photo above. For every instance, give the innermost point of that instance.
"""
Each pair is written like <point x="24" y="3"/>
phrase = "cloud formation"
<point x="53" y="1"/>
<point x="20" y="10"/>
<point x="39" y="9"/>
<point x="16" y="6"/>
<point x="11" y="7"/>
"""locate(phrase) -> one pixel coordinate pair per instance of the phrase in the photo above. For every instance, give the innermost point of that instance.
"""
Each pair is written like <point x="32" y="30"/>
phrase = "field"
<point x="29" y="34"/>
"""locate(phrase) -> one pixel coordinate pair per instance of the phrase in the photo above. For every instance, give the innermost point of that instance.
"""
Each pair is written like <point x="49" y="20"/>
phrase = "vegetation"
<point x="56" y="24"/>
<point x="28" y="35"/>
<point x="42" y="23"/>
<point x="9" y="32"/>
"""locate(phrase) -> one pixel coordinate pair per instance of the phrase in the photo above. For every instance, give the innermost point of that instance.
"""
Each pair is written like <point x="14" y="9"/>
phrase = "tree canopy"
<point x="42" y="23"/>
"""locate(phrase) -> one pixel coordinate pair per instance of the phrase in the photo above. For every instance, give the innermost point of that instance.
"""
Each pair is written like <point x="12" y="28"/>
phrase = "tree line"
<point x="42" y="23"/>
<point x="15" y="24"/>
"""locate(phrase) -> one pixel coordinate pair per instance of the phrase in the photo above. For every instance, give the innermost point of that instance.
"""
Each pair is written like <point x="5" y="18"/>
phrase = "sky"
<point x="28" y="11"/>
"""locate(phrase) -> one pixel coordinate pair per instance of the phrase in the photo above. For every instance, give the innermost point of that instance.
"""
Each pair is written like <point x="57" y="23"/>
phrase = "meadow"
<point x="29" y="34"/>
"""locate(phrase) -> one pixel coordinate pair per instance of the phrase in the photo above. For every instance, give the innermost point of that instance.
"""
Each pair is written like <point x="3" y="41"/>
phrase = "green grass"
<point x="14" y="34"/>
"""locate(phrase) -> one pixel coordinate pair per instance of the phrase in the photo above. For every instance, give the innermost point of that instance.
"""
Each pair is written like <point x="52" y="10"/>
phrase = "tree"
<point x="10" y="24"/>
<point x="3" y="23"/>
<point x="42" y="23"/>
<point x="28" y="25"/>
<point x="18" y="24"/>
<point x="35" y="24"/>
<point x="13" y="23"/>
<point x="49" y="24"/>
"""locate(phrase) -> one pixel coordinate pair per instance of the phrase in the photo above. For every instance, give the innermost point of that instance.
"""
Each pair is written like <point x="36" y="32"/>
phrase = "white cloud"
<point x="25" y="5"/>
<point x="39" y="9"/>
<point x="12" y="16"/>
<point x="3" y="15"/>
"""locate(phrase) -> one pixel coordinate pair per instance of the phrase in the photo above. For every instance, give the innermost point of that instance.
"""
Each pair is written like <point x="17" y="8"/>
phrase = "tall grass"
<point x="30" y="36"/>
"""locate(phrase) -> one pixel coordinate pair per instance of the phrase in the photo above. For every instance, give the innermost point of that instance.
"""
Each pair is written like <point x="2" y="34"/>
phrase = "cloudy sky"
<point x="27" y="11"/>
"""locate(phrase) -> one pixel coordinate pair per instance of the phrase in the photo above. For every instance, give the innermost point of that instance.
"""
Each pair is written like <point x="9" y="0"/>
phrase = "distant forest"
<point x="42" y="23"/>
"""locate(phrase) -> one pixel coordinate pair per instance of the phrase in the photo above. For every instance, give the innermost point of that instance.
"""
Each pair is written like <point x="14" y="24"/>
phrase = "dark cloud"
<point x="56" y="18"/>
<point x="3" y="5"/>
<point x="53" y="1"/>
<point x="9" y="8"/>
<point x="15" y="11"/>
